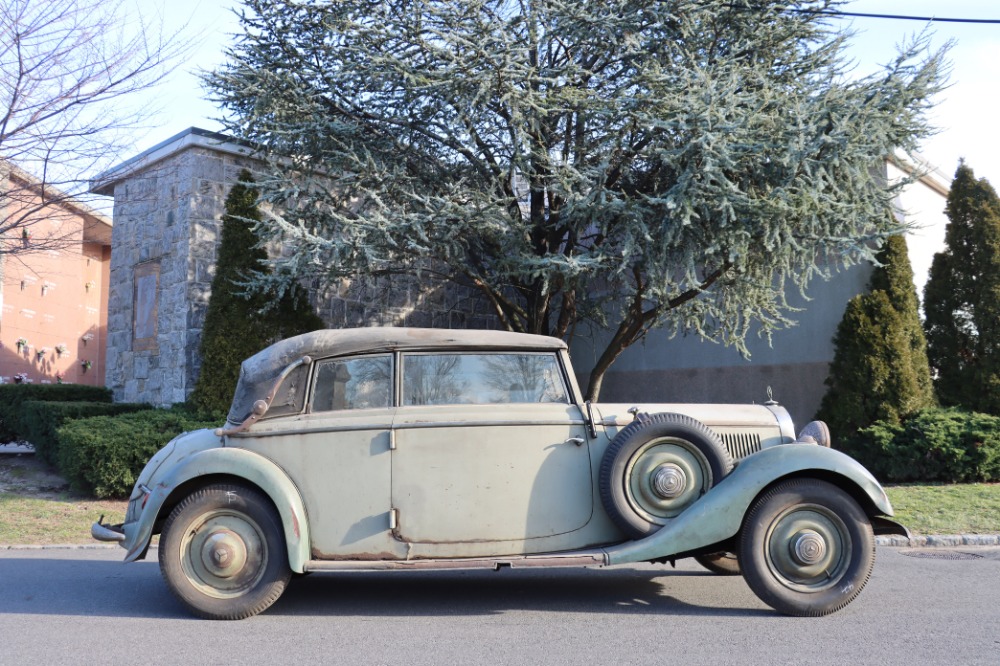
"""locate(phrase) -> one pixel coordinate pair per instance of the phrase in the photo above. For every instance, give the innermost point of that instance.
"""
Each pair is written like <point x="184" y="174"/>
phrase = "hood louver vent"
<point x="741" y="445"/>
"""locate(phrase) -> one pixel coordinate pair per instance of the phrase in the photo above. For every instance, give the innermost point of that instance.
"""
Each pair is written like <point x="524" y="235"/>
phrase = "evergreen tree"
<point x="879" y="370"/>
<point x="238" y="325"/>
<point x="639" y="164"/>
<point x="962" y="298"/>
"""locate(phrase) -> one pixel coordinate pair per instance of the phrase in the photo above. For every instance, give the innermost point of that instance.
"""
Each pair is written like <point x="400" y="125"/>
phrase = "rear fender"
<point x="719" y="514"/>
<point x="230" y="462"/>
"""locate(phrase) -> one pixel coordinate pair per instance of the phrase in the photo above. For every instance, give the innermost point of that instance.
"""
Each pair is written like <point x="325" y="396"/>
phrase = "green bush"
<point x="946" y="445"/>
<point x="879" y="370"/>
<point x="12" y="396"/>
<point x="103" y="455"/>
<point x="40" y="420"/>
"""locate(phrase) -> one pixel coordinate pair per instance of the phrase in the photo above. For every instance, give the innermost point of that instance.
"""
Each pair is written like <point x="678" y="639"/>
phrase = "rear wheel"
<point x="222" y="553"/>
<point x="806" y="548"/>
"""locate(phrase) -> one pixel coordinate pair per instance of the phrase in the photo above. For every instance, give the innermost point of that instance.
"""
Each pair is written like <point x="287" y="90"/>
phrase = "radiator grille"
<point x="741" y="444"/>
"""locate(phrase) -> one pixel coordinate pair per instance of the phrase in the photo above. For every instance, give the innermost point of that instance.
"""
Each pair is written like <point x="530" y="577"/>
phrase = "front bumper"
<point x="103" y="532"/>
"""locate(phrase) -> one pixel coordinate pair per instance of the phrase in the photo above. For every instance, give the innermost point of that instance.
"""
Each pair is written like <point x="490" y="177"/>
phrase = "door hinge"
<point x="392" y="440"/>
<point x="393" y="519"/>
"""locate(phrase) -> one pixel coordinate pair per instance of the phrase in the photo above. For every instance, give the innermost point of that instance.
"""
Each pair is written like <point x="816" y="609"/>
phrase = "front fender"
<point x="233" y="462"/>
<point x="719" y="514"/>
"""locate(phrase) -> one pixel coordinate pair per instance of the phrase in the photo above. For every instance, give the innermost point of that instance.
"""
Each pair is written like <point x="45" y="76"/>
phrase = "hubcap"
<point x="224" y="554"/>
<point x="669" y="481"/>
<point x="808" y="547"/>
<point x="665" y="477"/>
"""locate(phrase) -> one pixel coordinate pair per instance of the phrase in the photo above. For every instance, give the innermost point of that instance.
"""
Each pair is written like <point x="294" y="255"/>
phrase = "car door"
<point x="338" y="455"/>
<point x="489" y="455"/>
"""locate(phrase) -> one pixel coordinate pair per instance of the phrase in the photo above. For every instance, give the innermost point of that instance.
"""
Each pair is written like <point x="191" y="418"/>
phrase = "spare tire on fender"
<point x="658" y="466"/>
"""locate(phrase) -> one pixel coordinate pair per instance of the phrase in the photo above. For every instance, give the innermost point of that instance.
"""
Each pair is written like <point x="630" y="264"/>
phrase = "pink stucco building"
<point x="53" y="285"/>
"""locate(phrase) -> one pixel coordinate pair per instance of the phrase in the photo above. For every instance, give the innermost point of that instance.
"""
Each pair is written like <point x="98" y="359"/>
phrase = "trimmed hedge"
<point x="947" y="445"/>
<point x="12" y="396"/>
<point x="103" y="455"/>
<point x="40" y="420"/>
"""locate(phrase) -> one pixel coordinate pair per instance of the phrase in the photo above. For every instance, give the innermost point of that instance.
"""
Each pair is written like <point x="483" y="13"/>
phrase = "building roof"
<point x="924" y="172"/>
<point x="193" y="137"/>
<point x="97" y="225"/>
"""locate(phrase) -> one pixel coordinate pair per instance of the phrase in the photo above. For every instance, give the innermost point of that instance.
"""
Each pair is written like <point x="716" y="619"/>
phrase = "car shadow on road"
<point x="391" y="594"/>
<point x="67" y="586"/>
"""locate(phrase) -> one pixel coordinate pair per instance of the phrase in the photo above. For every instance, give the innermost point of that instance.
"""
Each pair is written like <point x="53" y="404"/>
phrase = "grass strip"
<point x="972" y="508"/>
<point x="48" y="522"/>
<point x="967" y="508"/>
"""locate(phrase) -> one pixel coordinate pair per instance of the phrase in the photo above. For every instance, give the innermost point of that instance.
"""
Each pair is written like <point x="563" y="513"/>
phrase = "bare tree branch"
<point x="67" y="71"/>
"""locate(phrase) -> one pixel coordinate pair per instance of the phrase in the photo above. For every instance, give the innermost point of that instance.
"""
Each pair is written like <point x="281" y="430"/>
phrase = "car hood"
<point x="711" y="414"/>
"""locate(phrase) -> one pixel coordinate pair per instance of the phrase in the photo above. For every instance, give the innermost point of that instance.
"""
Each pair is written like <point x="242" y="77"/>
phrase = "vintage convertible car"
<point x="403" y="449"/>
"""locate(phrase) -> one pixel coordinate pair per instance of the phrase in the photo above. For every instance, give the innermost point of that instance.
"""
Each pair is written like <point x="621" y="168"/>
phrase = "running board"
<point x="569" y="560"/>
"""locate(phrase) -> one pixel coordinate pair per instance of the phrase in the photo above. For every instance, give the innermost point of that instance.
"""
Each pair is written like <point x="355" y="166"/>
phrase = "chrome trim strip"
<point x="785" y="424"/>
<point x="481" y="424"/>
<point x="406" y="426"/>
<point x="307" y="431"/>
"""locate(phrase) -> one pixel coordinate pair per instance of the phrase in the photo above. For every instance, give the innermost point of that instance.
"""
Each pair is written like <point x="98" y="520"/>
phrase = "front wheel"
<point x="222" y="553"/>
<point x="806" y="548"/>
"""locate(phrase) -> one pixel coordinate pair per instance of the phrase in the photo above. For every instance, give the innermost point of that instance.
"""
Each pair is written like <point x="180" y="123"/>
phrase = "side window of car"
<point x="455" y="379"/>
<point x="353" y="383"/>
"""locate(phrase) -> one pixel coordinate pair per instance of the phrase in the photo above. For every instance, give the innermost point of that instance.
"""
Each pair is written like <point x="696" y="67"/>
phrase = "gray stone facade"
<point x="168" y="206"/>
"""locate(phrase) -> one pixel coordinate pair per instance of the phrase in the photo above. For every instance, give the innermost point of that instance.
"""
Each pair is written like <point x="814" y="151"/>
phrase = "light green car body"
<point x="468" y="485"/>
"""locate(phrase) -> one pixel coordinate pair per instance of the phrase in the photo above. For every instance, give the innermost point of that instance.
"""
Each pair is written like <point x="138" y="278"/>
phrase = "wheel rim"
<point x="224" y="553"/>
<point x="808" y="548"/>
<point x="664" y="477"/>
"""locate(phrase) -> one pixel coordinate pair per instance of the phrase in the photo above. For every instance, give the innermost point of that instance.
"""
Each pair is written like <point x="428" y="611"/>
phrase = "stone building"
<point x="168" y="206"/>
<point x="54" y="270"/>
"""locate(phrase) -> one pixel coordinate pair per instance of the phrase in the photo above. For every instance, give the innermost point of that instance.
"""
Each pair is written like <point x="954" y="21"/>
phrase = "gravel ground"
<point x="21" y="472"/>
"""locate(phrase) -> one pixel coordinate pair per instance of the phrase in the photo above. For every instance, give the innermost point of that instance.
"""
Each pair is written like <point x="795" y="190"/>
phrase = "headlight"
<point x="815" y="432"/>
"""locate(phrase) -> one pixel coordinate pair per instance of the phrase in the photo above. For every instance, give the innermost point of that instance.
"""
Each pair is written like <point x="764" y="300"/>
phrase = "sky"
<point x="965" y="113"/>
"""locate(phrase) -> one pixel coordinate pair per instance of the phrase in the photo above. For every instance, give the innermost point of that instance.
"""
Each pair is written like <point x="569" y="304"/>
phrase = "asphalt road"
<point x="87" y="607"/>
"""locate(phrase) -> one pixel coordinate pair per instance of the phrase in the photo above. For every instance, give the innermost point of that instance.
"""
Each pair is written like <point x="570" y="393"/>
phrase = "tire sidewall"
<point x="632" y="440"/>
<point x="753" y="553"/>
<point x="231" y="498"/>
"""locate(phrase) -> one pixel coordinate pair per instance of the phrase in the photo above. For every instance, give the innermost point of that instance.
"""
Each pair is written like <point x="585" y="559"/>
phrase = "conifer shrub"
<point x="12" y="397"/>
<point x="880" y="370"/>
<point x="240" y="324"/>
<point x="946" y="445"/>
<point x="962" y="298"/>
<point x="41" y="420"/>
<point x="104" y="455"/>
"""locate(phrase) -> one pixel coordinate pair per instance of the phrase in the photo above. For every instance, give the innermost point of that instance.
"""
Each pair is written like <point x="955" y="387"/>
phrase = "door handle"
<point x="579" y="441"/>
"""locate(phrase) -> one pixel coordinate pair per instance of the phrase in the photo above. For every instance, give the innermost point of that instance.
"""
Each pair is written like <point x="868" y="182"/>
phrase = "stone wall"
<point x="167" y="221"/>
<point x="166" y="226"/>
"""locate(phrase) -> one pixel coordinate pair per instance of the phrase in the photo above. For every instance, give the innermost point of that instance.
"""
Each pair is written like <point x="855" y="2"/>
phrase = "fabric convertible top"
<point x="259" y="372"/>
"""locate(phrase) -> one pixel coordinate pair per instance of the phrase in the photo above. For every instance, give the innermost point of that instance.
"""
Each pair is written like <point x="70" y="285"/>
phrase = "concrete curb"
<point x="938" y="540"/>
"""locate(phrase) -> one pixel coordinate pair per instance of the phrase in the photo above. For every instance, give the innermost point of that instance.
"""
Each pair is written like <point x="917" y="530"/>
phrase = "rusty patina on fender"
<point x="231" y="462"/>
<point x="719" y="514"/>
